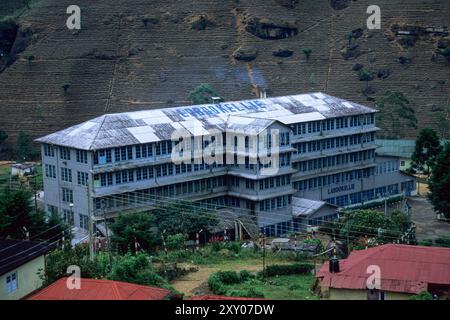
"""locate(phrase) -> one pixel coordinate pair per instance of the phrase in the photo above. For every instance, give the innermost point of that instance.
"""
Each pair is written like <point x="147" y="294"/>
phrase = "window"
<point x="67" y="195"/>
<point x="84" y="221"/>
<point x="66" y="174"/>
<point x="50" y="171"/>
<point x="11" y="283"/>
<point x="64" y="153"/>
<point x="81" y="156"/>
<point x="49" y="151"/>
<point x="82" y="178"/>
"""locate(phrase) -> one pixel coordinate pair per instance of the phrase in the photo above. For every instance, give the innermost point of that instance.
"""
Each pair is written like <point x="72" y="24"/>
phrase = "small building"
<point x="94" y="289"/>
<point x="22" y="169"/>
<point x="20" y="264"/>
<point x="310" y="213"/>
<point x="403" y="149"/>
<point x="404" y="271"/>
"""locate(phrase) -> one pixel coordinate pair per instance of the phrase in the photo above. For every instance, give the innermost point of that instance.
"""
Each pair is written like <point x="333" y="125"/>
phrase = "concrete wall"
<point x="346" y="294"/>
<point x="28" y="279"/>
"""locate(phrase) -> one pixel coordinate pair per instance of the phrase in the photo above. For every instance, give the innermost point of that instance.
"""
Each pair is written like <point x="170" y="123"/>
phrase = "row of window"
<point x="273" y="182"/>
<point x="362" y="196"/>
<point x="65" y="153"/>
<point x="332" y="143"/>
<point x="387" y="166"/>
<point x="336" y="160"/>
<point x="148" y="195"/>
<point x="275" y="203"/>
<point x="318" y="182"/>
<point x="332" y="124"/>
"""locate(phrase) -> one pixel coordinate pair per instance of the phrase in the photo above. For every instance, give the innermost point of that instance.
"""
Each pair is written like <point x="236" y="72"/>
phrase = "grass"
<point x="291" y="287"/>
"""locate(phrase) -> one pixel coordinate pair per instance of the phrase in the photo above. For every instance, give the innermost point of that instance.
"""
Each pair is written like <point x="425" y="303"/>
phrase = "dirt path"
<point x="195" y="283"/>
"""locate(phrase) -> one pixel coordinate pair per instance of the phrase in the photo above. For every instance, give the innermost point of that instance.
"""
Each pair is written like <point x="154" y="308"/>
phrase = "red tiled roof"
<point x="92" y="289"/>
<point x="212" y="297"/>
<point x="403" y="268"/>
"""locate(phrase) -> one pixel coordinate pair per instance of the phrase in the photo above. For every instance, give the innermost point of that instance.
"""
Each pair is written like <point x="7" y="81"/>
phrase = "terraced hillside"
<point x="139" y="54"/>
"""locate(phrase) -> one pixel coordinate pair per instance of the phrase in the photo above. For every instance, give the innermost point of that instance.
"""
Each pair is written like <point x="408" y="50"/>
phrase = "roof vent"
<point x="216" y="100"/>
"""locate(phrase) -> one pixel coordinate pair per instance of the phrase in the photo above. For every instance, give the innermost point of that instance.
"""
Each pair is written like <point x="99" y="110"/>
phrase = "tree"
<point x="369" y="223"/>
<point x="446" y="53"/>
<point x="349" y="37"/>
<point x="24" y="147"/>
<point x="366" y="75"/>
<point x="30" y="59"/>
<point x="202" y="94"/>
<point x="18" y="217"/>
<point x="184" y="218"/>
<point x="307" y="52"/>
<point x="135" y="227"/>
<point x="439" y="183"/>
<point x="66" y="87"/>
<point x="426" y="150"/>
<point x="3" y="136"/>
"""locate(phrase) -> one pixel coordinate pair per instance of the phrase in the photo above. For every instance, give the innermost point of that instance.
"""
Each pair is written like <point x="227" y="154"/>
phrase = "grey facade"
<point x="124" y="162"/>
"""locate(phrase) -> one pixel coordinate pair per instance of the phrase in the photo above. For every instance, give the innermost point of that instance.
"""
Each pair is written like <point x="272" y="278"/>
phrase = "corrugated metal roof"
<point x="305" y="207"/>
<point x="93" y="289"/>
<point x="397" y="148"/>
<point x="250" y="116"/>
<point x="403" y="268"/>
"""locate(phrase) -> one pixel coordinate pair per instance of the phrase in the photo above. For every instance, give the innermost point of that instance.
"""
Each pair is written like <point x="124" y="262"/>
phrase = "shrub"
<point x="229" y="277"/>
<point x="215" y="284"/>
<point x="245" y="275"/>
<point x="443" y="241"/>
<point x="249" y="293"/>
<point x="176" y="241"/>
<point x="424" y="295"/>
<point x="279" y="270"/>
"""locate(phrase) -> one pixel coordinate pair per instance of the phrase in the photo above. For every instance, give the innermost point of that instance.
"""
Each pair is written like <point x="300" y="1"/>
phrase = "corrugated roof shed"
<point x="147" y="126"/>
<point x="404" y="268"/>
<point x="305" y="207"/>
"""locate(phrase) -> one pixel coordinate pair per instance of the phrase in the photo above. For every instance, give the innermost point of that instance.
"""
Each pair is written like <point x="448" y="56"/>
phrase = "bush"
<point x="250" y="293"/>
<point x="215" y="284"/>
<point x="279" y="270"/>
<point x="424" y="295"/>
<point x="245" y="275"/>
<point x="229" y="277"/>
<point x="443" y="241"/>
<point x="176" y="241"/>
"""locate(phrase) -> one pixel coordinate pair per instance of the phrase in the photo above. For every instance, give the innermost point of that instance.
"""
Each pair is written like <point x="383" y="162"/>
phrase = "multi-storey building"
<point x="253" y="155"/>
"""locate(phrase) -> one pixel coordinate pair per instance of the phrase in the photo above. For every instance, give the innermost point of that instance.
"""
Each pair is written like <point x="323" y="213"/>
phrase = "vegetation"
<point x="366" y="75"/>
<point x="202" y="94"/>
<point x="286" y="269"/>
<point x="3" y="136"/>
<point x="443" y="241"/>
<point x="424" y="295"/>
<point x="397" y="106"/>
<point x="245" y="284"/>
<point x="439" y="183"/>
<point x="368" y="224"/>
<point x="134" y="228"/>
<point x="307" y="52"/>
<point x="66" y="87"/>
<point x="426" y="150"/>
<point x="177" y="220"/>
<point x="18" y="218"/>
<point x="24" y="147"/>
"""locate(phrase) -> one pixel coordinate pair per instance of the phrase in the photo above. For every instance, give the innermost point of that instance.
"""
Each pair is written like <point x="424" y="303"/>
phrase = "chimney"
<point x="216" y="100"/>
<point x="262" y="92"/>
<point x="334" y="263"/>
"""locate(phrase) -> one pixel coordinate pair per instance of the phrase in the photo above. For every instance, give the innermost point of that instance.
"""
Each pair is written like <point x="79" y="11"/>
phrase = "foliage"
<point x="370" y="223"/>
<point x="396" y="104"/>
<point x="17" y="213"/>
<point x="3" y="136"/>
<point x="202" y="94"/>
<point x="439" y="183"/>
<point x="184" y="218"/>
<point x="176" y="241"/>
<point x="366" y="75"/>
<point x="426" y="150"/>
<point x="24" y="147"/>
<point x="231" y="246"/>
<point x="59" y="260"/>
<point x="307" y="52"/>
<point x="424" y="295"/>
<point x="287" y="269"/>
<point x="139" y="227"/>
<point x="446" y="53"/>
<point x="246" y="293"/>
<point x="136" y="269"/>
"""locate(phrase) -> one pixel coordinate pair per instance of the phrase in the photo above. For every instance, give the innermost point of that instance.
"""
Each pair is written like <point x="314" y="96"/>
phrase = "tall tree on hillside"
<point x="426" y="150"/>
<point x="439" y="183"/>
<point x="24" y="147"/>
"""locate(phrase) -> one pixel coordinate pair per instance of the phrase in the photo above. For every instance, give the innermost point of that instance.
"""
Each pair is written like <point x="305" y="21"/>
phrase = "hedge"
<point x="288" y="269"/>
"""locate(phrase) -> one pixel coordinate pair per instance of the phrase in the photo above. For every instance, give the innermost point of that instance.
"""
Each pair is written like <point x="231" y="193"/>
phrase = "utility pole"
<point x="264" y="248"/>
<point x="108" y="246"/>
<point x="91" y="227"/>
<point x="348" y="233"/>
